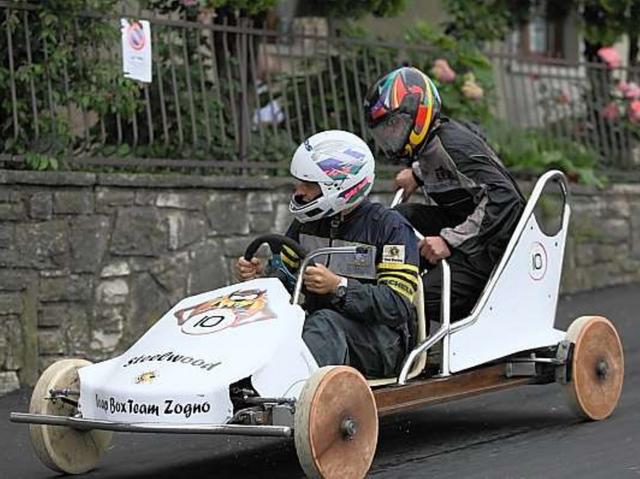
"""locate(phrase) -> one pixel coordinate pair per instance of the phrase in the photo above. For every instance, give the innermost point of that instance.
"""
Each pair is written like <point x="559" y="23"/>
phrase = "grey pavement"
<point x="526" y="432"/>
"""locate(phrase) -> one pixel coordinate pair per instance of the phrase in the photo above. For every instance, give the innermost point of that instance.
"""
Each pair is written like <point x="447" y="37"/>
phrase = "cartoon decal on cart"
<point x="242" y="306"/>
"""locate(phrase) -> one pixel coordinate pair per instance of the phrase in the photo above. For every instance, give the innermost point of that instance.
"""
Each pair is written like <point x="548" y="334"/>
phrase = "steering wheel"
<point x="275" y="242"/>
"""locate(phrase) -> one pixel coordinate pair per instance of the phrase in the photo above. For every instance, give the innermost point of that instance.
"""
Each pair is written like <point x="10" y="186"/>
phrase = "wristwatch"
<point x="341" y="290"/>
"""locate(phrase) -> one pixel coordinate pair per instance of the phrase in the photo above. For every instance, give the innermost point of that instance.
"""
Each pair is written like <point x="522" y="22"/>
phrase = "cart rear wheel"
<point x="597" y="367"/>
<point x="336" y="424"/>
<point x="64" y="449"/>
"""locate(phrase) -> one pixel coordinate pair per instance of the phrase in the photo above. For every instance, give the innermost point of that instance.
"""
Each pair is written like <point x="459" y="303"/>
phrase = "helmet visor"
<point x="392" y="133"/>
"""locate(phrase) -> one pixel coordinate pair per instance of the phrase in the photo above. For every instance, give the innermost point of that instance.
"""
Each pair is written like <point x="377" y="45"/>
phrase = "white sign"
<point x="136" y="49"/>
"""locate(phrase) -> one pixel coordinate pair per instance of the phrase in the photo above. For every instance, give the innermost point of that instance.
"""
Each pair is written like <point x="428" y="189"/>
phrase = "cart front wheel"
<point x="336" y="424"/>
<point x="596" y="367"/>
<point x="63" y="449"/>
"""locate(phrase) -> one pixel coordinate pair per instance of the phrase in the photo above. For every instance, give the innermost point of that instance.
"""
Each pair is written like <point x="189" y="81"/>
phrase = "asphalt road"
<point x="525" y="432"/>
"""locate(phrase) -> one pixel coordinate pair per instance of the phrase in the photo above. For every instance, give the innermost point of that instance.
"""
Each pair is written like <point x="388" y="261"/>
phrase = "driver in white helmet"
<point x="360" y="307"/>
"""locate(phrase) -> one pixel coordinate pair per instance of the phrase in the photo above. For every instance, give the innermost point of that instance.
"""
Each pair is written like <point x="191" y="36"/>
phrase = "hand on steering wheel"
<point x="251" y="269"/>
<point x="248" y="267"/>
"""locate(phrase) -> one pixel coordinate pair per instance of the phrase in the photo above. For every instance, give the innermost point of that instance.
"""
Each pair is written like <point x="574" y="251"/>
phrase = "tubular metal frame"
<point x="315" y="254"/>
<point x="446" y="329"/>
<point x="88" y="424"/>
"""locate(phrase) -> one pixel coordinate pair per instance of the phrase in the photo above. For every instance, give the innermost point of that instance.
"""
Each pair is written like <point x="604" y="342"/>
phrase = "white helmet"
<point x="341" y="163"/>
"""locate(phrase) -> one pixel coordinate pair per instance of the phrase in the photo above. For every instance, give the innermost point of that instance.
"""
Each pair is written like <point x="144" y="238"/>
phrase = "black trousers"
<point x="376" y="350"/>
<point x="468" y="275"/>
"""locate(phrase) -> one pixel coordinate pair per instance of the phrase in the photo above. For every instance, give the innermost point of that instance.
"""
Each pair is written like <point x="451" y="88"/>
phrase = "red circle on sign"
<point x="135" y="36"/>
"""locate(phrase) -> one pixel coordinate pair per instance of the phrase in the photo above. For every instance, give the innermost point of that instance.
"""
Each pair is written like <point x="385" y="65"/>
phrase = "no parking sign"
<point x="136" y="49"/>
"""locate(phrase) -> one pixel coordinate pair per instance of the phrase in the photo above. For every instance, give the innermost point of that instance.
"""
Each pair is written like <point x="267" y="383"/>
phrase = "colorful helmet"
<point x="401" y="107"/>
<point x="342" y="165"/>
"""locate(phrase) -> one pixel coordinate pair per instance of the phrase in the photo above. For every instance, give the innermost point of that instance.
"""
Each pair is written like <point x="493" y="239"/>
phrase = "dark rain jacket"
<point x="382" y="285"/>
<point x="458" y="171"/>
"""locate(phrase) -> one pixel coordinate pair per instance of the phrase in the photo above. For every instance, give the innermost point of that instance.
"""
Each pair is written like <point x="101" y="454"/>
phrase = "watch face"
<point x="342" y="290"/>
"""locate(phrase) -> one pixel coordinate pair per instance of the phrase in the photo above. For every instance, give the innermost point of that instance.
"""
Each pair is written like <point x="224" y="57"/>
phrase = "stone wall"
<point x="89" y="261"/>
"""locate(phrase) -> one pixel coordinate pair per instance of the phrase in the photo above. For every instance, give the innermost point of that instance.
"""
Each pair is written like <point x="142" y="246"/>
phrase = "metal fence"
<point x="238" y="98"/>
<point x="586" y="103"/>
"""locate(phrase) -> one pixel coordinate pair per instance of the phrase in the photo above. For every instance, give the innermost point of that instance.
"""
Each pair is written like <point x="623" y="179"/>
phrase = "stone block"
<point x="260" y="223"/>
<point x="184" y="201"/>
<point x="185" y="228"/>
<point x="283" y="218"/>
<point x="14" y="355"/>
<point x="172" y="273"/>
<point x="139" y="231"/>
<point x="10" y="303"/>
<point x="57" y="314"/>
<point x="76" y="202"/>
<point x="635" y="230"/>
<point x="7" y="235"/>
<point x="148" y="304"/>
<point x="235" y="247"/>
<point x="614" y="230"/>
<point x="227" y="214"/>
<point x="4" y="343"/>
<point x="51" y="341"/>
<point x="88" y="238"/>
<point x="145" y="197"/>
<point x="107" y="199"/>
<point x="76" y="336"/>
<point x="112" y="291"/>
<point x="15" y="279"/>
<point x="103" y="344"/>
<point x="43" y="245"/>
<point x="115" y="269"/>
<point x="40" y="206"/>
<point x="12" y="211"/>
<point x="585" y="254"/>
<point x="109" y="319"/>
<point x="259" y="202"/>
<point x="208" y="269"/>
<point x="617" y="208"/>
<point x="66" y="288"/>
<point x="8" y="382"/>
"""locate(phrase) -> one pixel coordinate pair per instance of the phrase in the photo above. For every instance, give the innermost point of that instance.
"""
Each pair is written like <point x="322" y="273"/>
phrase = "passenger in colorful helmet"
<point x="360" y="307"/>
<point x="472" y="202"/>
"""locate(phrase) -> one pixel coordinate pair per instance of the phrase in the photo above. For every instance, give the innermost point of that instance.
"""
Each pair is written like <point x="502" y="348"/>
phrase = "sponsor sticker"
<point x="393" y="253"/>
<point x="171" y="357"/>
<point x="169" y="407"/>
<point x="146" y="378"/>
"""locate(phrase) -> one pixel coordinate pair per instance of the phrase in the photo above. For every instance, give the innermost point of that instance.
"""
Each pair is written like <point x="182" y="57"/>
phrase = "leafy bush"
<point x="531" y="152"/>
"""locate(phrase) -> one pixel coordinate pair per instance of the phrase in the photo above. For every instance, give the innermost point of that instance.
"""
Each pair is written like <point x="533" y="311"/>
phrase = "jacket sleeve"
<point x="390" y="300"/>
<point x="498" y="208"/>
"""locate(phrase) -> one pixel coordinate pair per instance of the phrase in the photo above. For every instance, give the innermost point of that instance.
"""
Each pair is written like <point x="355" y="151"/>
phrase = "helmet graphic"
<point x="342" y="165"/>
<point x="400" y="108"/>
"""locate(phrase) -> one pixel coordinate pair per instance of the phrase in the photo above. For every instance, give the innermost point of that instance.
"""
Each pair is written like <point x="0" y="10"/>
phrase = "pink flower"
<point x="442" y="71"/>
<point x="632" y="91"/>
<point x="189" y="3"/>
<point x="634" y="111"/>
<point x="622" y="87"/>
<point x="610" y="111"/>
<point x="610" y="56"/>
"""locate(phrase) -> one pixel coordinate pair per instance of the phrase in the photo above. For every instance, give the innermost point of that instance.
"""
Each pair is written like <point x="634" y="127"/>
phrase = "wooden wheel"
<point x="63" y="449"/>
<point x="597" y="367"/>
<point x="336" y="424"/>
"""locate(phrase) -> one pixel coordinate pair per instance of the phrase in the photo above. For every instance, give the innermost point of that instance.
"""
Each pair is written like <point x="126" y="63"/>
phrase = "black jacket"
<point x="459" y="172"/>
<point x="380" y="288"/>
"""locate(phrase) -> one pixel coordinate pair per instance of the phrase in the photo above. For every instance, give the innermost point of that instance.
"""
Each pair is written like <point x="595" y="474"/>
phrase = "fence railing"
<point x="238" y="98"/>
<point x="587" y="103"/>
